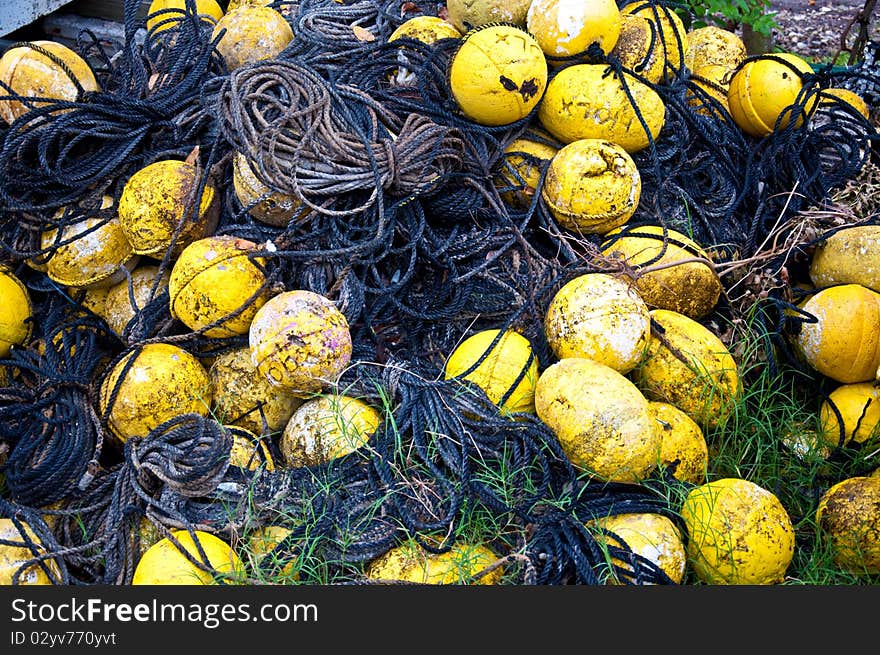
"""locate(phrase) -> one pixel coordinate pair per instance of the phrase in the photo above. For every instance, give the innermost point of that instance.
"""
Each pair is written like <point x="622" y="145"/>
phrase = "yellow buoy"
<point x="859" y="406"/>
<point x="427" y="29"/>
<point x="713" y="81"/>
<point x="848" y="516"/>
<point x="848" y="256"/>
<point x="251" y="33"/>
<point x="844" y="341"/>
<point x="172" y="11"/>
<point x="263" y="540"/>
<point x="30" y="73"/>
<point x="466" y="15"/>
<point x="600" y="418"/>
<point x="525" y="159"/>
<point x="155" y="208"/>
<point x="671" y="31"/>
<point x="688" y="366"/>
<point x="589" y="101"/>
<point x="164" y="564"/>
<point x="244" y="397"/>
<point x="15" y="326"/>
<point x="712" y="45"/>
<point x="834" y="96"/>
<point x="683" y="448"/>
<point x="215" y="282"/>
<point x="327" y="427"/>
<point x="600" y="317"/>
<point x="592" y="186"/>
<point x="145" y="285"/>
<point x="156" y="383"/>
<point x="14" y="556"/>
<point x="507" y="374"/>
<point x="409" y="562"/>
<point x="651" y="536"/>
<point x="564" y="29"/>
<point x="266" y="206"/>
<point x="90" y="251"/>
<point x="639" y="49"/>
<point x="248" y="450"/>
<point x="497" y="75"/>
<point x="683" y="279"/>
<point x="765" y="91"/>
<point x="300" y="341"/>
<point x="738" y="533"/>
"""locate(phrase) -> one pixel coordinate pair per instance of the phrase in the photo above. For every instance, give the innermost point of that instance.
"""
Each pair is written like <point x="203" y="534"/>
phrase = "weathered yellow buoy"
<point x="713" y="82"/>
<point x="859" y="407"/>
<point x="589" y="101"/>
<point x="162" y="382"/>
<point x="498" y="74"/>
<point x="592" y="186"/>
<point x="411" y="563"/>
<point x="764" y="91"/>
<point x="652" y="536"/>
<point x="600" y="418"/>
<point x="300" y="341"/>
<point x="834" y="96"/>
<point x="844" y="342"/>
<point x="244" y="397"/>
<point x="507" y="374"/>
<point x="466" y="15"/>
<point x="215" y="282"/>
<point x="155" y="208"/>
<point x="678" y="283"/>
<point x="327" y="427"/>
<point x="670" y="28"/>
<point x="30" y="73"/>
<point x="164" y="564"/>
<point x="683" y="447"/>
<point x="713" y="45"/>
<point x="639" y="49"/>
<point x="13" y="557"/>
<point x="848" y="256"/>
<point x="738" y="533"/>
<point x="688" y="366"/>
<point x="173" y="11"/>
<point x="848" y="516"/>
<point x="15" y="326"/>
<point x="263" y="541"/>
<point x="600" y="317"/>
<point x="146" y="284"/>
<point x="266" y="206"/>
<point x="90" y="251"/>
<point x="525" y="159"/>
<point x="426" y="28"/>
<point x="251" y="33"/>
<point x="564" y="28"/>
<point x="248" y="450"/>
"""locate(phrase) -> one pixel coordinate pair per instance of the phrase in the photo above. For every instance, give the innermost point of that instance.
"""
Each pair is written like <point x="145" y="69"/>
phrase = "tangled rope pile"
<point x="406" y="230"/>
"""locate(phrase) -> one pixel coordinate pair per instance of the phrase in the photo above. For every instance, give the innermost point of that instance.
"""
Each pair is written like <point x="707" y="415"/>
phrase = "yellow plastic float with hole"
<point x="652" y="536"/>
<point x="30" y="73"/>
<point x="859" y="407"/>
<point x="251" y="33"/>
<point x="146" y="284"/>
<point x="765" y="89"/>
<point x="527" y="156"/>
<point x="688" y="366"/>
<point x="164" y="564"/>
<point x="671" y="30"/>
<point x="466" y="15"/>
<point x="327" y="427"/>
<point x="155" y="209"/>
<point x="410" y="563"/>
<point x="848" y="516"/>
<point x="564" y="29"/>
<point x="712" y="45"/>
<point x="162" y="382"/>
<point x="208" y="10"/>
<point x="215" y="281"/>
<point x="677" y="283"/>
<point x="248" y="450"/>
<point x="266" y="206"/>
<point x="90" y="251"/>
<point x="13" y="557"/>
<point x="509" y="367"/>
<point x="638" y="48"/>
<point x="844" y="342"/>
<point x="15" y="324"/>
<point x="589" y="101"/>
<point x="683" y="448"/>
<point x="244" y="397"/>
<point x="848" y="256"/>
<point x="300" y="341"/>
<point x="600" y="317"/>
<point x="592" y="186"/>
<point x="497" y="75"/>
<point x="601" y="419"/>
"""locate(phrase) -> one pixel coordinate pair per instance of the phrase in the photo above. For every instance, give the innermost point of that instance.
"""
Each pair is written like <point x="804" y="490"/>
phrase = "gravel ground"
<point x="813" y="28"/>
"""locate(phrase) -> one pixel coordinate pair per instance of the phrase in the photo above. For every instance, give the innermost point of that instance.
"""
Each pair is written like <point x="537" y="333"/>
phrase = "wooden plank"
<point x="15" y="14"/>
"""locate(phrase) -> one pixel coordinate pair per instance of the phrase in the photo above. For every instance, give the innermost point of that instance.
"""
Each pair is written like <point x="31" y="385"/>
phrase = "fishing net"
<point x="403" y="224"/>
